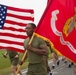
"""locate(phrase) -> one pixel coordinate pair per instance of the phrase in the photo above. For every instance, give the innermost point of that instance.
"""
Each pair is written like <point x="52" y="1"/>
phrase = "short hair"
<point x="32" y="24"/>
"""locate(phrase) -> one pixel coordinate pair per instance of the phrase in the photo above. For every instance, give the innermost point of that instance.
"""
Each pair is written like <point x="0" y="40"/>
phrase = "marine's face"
<point x="29" y="30"/>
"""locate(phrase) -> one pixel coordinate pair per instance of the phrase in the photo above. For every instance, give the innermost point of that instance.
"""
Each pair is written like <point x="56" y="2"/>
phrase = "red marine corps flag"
<point x="58" y="25"/>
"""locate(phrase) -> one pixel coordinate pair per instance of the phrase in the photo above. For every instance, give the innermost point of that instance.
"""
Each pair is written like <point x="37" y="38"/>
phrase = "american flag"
<point x="12" y="27"/>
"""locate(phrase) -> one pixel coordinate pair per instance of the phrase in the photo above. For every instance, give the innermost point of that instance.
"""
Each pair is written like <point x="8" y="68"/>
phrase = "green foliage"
<point x="5" y="65"/>
<point x="4" y="62"/>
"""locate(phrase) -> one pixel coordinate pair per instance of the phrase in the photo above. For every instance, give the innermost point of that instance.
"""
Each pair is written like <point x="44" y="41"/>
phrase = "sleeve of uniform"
<point x="42" y="42"/>
<point x="25" y="43"/>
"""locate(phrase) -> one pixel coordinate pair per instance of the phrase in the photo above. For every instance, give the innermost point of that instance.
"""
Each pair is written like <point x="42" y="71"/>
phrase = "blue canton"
<point x="3" y="11"/>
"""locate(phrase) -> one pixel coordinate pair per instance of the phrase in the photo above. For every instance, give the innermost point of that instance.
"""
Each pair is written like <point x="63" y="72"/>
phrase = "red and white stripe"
<point x="13" y="33"/>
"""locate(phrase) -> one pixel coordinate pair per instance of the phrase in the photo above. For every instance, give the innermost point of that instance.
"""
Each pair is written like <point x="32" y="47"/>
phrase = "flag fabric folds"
<point x="58" y="25"/>
<point x="48" y="1"/>
<point x="12" y="27"/>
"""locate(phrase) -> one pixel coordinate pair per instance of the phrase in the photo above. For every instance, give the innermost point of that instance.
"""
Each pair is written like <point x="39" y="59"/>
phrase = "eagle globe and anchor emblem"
<point x="67" y="29"/>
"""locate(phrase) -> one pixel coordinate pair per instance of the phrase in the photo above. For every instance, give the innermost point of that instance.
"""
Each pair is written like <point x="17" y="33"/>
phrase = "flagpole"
<point x="24" y="54"/>
<point x="50" y="1"/>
